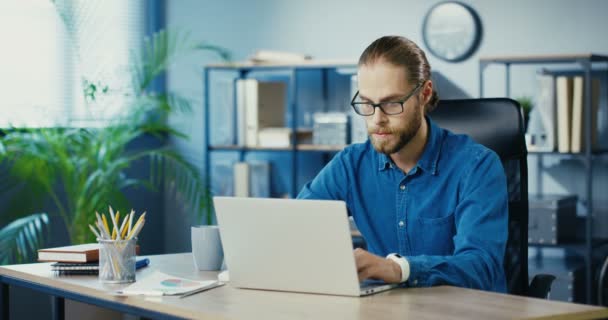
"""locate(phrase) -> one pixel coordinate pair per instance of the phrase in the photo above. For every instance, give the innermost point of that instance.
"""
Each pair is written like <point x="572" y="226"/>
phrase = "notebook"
<point x="82" y="253"/>
<point x="91" y="268"/>
<point x="290" y="245"/>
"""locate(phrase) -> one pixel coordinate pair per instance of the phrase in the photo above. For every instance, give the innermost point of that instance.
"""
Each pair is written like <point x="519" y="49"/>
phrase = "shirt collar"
<point x="430" y="155"/>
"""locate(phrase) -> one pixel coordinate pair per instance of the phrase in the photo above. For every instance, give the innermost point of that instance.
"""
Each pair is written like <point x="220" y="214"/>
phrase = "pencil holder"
<point x="117" y="260"/>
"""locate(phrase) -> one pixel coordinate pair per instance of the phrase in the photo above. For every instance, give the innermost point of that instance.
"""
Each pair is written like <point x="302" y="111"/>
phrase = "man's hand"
<point x="375" y="267"/>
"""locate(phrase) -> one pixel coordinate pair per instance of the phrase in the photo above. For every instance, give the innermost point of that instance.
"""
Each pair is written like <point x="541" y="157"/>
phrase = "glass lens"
<point x="391" y="107"/>
<point x="363" y="108"/>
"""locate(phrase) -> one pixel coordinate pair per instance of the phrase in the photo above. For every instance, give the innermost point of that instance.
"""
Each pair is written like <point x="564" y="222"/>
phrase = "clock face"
<point x="451" y="31"/>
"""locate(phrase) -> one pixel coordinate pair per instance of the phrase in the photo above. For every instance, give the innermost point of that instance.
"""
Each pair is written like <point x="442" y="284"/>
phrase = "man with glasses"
<point x="431" y="205"/>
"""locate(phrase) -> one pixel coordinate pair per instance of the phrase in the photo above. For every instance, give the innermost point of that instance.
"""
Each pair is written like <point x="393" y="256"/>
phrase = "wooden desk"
<point x="230" y="303"/>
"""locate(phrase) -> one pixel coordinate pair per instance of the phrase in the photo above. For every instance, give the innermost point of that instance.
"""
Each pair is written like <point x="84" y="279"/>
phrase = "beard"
<point x="399" y="137"/>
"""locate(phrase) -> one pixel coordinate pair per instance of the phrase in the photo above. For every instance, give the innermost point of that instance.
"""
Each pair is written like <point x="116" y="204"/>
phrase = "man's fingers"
<point x="365" y="270"/>
<point x="362" y="259"/>
<point x="372" y="266"/>
<point x="363" y="274"/>
<point x="359" y="252"/>
<point x="362" y="264"/>
<point x="361" y="277"/>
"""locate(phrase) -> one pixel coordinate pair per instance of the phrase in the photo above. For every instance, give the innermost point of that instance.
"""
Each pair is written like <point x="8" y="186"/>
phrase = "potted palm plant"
<point x="82" y="170"/>
<point x="20" y="238"/>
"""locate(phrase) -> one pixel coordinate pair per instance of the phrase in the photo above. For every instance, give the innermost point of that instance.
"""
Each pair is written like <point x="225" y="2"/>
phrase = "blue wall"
<point x="341" y="29"/>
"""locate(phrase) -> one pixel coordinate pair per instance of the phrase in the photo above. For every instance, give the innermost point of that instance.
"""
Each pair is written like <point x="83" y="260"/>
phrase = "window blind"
<point x="53" y="50"/>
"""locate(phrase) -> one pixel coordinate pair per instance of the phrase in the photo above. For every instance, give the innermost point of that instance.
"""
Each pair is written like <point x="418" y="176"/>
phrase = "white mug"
<point x="207" y="248"/>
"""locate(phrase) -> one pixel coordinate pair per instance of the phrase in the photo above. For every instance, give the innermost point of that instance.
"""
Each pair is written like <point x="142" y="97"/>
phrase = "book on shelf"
<point x="564" y="94"/>
<point x="577" y="141"/>
<point x="260" y="104"/>
<point x="281" y="137"/>
<point x="252" y="179"/>
<point x="80" y="253"/>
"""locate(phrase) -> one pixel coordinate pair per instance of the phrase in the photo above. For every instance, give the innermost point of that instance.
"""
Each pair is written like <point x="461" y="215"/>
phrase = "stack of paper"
<point x="161" y="284"/>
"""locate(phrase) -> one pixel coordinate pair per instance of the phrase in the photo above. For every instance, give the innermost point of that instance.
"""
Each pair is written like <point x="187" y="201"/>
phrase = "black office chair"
<point x="497" y="123"/>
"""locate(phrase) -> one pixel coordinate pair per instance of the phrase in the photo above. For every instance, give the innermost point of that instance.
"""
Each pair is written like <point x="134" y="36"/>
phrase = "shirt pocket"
<point x="432" y="236"/>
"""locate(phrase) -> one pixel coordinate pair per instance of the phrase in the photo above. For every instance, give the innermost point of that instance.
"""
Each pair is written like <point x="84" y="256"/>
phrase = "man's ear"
<point x="427" y="91"/>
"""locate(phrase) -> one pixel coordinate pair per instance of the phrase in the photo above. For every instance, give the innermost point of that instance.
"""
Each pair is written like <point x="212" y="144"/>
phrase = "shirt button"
<point x="402" y="187"/>
<point x="401" y="223"/>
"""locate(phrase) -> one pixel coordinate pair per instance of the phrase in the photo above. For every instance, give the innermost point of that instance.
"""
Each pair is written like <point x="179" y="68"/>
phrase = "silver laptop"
<point x="290" y="245"/>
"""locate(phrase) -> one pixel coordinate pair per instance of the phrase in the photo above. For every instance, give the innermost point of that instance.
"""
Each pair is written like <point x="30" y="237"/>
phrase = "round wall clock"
<point x="451" y="31"/>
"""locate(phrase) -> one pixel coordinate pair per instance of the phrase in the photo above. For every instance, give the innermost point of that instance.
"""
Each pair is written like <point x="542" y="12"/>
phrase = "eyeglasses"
<point x="388" y="107"/>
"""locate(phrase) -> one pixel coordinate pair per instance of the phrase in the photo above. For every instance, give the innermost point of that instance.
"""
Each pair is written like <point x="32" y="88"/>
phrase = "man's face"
<point x="381" y="81"/>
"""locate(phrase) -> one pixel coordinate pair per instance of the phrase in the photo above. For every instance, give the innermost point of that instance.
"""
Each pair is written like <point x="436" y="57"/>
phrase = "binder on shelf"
<point x="564" y="88"/>
<point x="578" y="114"/>
<point x="252" y="179"/>
<point x="259" y="179"/>
<point x="260" y="104"/>
<point x="542" y="129"/>
<point x="241" y="109"/>
<point x="241" y="179"/>
<point x="358" y="129"/>
<point x="222" y="183"/>
<point x="221" y="100"/>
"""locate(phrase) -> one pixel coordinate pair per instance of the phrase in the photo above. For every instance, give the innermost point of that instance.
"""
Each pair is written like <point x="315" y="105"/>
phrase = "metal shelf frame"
<point x="243" y="69"/>
<point x="586" y="63"/>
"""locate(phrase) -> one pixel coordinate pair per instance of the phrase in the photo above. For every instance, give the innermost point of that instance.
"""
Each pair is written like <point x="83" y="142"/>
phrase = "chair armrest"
<point x="541" y="286"/>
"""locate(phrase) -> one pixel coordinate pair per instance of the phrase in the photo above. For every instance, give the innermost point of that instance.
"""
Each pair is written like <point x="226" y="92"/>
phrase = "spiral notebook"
<point x="91" y="268"/>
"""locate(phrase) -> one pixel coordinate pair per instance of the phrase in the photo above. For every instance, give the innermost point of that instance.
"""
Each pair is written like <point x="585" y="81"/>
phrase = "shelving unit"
<point x="586" y="63"/>
<point x="245" y="69"/>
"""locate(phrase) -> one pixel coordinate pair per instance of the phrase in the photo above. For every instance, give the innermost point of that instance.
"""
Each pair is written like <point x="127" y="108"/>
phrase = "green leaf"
<point x="20" y="239"/>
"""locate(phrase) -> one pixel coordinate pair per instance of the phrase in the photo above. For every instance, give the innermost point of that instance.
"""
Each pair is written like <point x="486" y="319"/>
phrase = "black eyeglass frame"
<point x="379" y="105"/>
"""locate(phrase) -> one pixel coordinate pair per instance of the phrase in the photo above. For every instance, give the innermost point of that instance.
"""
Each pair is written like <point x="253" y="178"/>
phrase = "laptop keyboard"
<point x="369" y="283"/>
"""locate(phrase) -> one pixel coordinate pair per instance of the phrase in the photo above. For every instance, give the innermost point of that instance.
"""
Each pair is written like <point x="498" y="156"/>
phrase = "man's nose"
<point x="379" y="116"/>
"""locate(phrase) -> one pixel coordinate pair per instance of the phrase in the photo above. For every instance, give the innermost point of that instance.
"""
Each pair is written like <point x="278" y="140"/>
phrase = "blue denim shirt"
<point x="448" y="216"/>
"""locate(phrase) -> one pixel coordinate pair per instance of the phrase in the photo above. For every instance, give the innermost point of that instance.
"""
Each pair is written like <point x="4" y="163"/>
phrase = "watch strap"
<point x="403" y="264"/>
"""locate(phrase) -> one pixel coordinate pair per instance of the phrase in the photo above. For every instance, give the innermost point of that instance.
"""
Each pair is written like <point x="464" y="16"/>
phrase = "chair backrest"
<point x="497" y="123"/>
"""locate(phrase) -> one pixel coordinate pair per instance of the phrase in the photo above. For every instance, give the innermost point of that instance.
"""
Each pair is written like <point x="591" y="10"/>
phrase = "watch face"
<point x="451" y="31"/>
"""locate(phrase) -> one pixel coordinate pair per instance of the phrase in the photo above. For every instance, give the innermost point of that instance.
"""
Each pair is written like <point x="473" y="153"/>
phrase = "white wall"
<point x="343" y="28"/>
